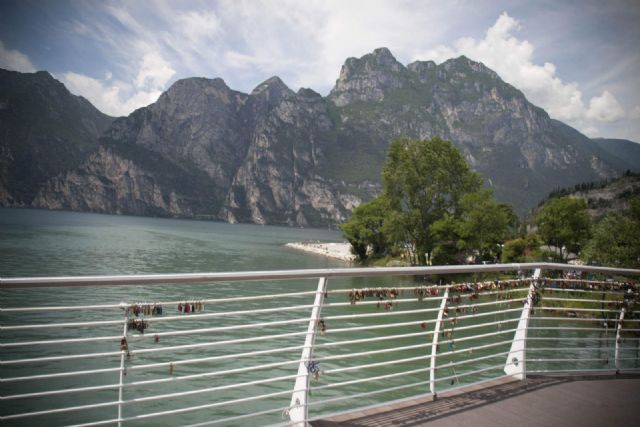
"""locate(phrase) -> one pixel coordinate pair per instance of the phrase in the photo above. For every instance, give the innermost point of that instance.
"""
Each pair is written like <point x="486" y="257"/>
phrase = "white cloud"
<point x="199" y="25"/>
<point x="119" y="98"/>
<point x="244" y="42"/>
<point x="154" y="72"/>
<point x="591" y="131"/>
<point x="11" y="59"/>
<point x="605" y="108"/>
<point x="512" y="59"/>
<point x="635" y="113"/>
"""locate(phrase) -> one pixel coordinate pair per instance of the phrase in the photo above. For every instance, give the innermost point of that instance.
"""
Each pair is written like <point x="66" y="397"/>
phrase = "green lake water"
<point x="42" y="243"/>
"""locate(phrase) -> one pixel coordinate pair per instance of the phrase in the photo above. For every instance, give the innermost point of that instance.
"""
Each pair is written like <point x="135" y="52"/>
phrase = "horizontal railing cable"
<point x="239" y="417"/>
<point x="366" y="394"/>
<point x="60" y="341"/>
<point x="153" y="279"/>
<point x="584" y="291"/>
<point x="59" y="358"/>
<point x="375" y="365"/>
<point x="215" y="343"/>
<point x="471" y="360"/>
<point x="59" y="375"/>
<point x="207" y="390"/>
<point x="58" y="410"/>
<point x="474" y="372"/>
<point x="206" y="406"/>
<point x="588" y="300"/>
<point x="63" y="325"/>
<point x="475" y="337"/>
<point x="220" y="328"/>
<point x="568" y="348"/>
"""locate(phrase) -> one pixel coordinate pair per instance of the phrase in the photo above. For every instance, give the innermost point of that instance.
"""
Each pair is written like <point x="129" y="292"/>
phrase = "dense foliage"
<point x="616" y="239"/>
<point x="522" y="249"/>
<point x="564" y="224"/>
<point x="432" y="208"/>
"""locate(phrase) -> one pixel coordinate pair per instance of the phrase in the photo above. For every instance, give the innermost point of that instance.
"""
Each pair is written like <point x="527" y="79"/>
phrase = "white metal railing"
<point x="231" y="359"/>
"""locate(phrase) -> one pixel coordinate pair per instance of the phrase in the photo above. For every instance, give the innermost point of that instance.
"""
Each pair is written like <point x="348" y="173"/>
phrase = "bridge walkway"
<point x="540" y="401"/>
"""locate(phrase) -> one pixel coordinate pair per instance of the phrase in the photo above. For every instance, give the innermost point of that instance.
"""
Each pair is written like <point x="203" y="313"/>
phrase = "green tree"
<point x="525" y="249"/>
<point x="484" y="224"/>
<point x="565" y="224"/>
<point x="616" y="239"/>
<point x="448" y="244"/>
<point x="364" y="229"/>
<point x="422" y="181"/>
<point x="481" y="226"/>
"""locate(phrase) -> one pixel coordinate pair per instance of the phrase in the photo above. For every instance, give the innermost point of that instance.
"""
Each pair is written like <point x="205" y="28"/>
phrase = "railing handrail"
<point x="180" y="278"/>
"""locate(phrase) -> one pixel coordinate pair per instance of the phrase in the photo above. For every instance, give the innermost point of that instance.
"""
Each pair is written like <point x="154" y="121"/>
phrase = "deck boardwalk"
<point x="541" y="401"/>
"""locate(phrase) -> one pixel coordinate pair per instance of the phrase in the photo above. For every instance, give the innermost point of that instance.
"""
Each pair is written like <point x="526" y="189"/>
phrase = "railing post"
<point x="434" y="342"/>
<point x="618" y="340"/>
<point x="298" y="409"/>
<point x="516" y="364"/>
<point x="122" y="373"/>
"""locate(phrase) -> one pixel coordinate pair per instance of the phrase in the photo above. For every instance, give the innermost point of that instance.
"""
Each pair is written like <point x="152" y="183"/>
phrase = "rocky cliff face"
<point x="204" y="150"/>
<point x="45" y="130"/>
<point x="109" y="183"/>
<point x="277" y="181"/>
<point x="296" y="158"/>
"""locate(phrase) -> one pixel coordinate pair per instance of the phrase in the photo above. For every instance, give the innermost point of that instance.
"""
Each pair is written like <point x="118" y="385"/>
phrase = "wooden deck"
<point x="541" y="401"/>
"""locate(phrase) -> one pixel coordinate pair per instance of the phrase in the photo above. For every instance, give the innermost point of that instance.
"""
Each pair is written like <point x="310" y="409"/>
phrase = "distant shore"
<point x="341" y="251"/>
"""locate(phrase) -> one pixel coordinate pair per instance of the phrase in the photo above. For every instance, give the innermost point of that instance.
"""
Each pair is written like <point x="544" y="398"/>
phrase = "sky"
<point x="579" y="60"/>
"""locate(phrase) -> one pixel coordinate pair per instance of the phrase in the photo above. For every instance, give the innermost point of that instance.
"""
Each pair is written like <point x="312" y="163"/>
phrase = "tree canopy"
<point x="616" y="239"/>
<point x="432" y="203"/>
<point x="564" y="223"/>
<point x="364" y="230"/>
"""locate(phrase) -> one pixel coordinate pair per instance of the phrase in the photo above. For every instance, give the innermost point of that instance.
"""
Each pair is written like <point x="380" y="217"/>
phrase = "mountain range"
<point x="275" y="156"/>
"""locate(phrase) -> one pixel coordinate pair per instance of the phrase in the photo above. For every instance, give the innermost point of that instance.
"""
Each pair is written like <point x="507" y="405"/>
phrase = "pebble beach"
<point x="341" y="251"/>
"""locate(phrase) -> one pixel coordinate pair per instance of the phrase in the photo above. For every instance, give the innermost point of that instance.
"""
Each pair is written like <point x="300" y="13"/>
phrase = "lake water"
<point x="42" y="243"/>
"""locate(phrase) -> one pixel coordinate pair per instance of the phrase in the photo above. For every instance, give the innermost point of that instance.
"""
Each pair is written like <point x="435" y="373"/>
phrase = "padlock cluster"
<point x="475" y="287"/>
<point x="379" y="293"/>
<point x="589" y="284"/>
<point x="313" y="367"/>
<point x="137" y="324"/>
<point x="425" y="291"/>
<point x="144" y="309"/>
<point x="191" y="307"/>
<point x="322" y="326"/>
<point x="460" y="309"/>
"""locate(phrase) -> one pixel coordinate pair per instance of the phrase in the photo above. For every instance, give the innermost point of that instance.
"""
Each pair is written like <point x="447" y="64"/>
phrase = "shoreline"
<point x="341" y="251"/>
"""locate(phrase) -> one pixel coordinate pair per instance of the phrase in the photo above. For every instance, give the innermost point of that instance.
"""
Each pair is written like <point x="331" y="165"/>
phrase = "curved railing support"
<point x="434" y="343"/>
<point x="298" y="409"/>
<point x="516" y="359"/>
<point x="619" y="340"/>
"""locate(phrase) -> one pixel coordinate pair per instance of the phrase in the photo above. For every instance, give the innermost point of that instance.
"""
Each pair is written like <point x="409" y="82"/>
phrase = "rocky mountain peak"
<point x="197" y="83"/>
<point x="195" y="91"/>
<point x="305" y="92"/>
<point x="383" y="57"/>
<point x="273" y="90"/>
<point x="464" y="66"/>
<point x="420" y="67"/>
<point x="368" y="78"/>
